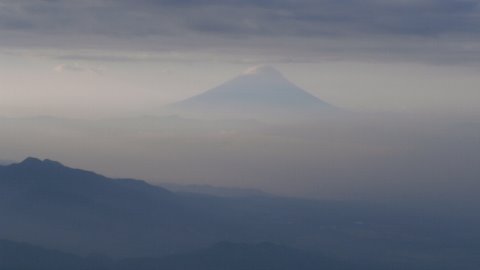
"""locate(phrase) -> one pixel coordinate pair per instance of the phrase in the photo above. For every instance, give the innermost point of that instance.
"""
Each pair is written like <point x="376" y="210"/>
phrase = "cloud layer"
<point x="443" y="30"/>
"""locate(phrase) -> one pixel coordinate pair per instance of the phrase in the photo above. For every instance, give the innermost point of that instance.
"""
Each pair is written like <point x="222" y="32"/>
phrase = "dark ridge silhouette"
<point x="50" y="181"/>
<point x="220" y="256"/>
<point x="23" y="256"/>
<point x="216" y="190"/>
<point x="225" y="255"/>
<point x="46" y="203"/>
<point x="241" y="256"/>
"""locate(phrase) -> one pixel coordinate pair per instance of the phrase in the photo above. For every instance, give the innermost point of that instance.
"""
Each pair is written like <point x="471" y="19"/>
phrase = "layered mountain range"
<point x="79" y="212"/>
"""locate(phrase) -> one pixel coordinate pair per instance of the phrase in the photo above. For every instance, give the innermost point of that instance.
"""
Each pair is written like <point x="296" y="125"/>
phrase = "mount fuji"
<point x="259" y="92"/>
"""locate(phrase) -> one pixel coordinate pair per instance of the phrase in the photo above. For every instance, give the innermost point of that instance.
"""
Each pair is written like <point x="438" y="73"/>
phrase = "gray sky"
<point x="104" y="58"/>
<point x="398" y="27"/>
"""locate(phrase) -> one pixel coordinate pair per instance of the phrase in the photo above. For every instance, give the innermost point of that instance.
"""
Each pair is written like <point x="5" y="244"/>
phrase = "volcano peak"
<point x="257" y="92"/>
<point x="264" y="70"/>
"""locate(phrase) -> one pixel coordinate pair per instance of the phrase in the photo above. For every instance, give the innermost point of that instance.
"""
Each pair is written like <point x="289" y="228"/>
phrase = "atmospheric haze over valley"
<point x="239" y="135"/>
<point x="259" y="130"/>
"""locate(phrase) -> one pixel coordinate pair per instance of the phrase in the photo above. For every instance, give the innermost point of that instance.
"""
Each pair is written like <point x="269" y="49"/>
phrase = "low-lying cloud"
<point x="76" y="67"/>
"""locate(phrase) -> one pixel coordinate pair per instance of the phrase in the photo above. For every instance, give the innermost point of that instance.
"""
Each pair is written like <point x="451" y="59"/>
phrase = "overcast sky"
<point x="105" y="57"/>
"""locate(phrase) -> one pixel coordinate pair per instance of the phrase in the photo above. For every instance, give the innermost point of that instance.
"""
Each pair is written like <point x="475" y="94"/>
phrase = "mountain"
<point x="48" y="204"/>
<point x="240" y="256"/>
<point x="50" y="182"/>
<point x="259" y="92"/>
<point x="216" y="190"/>
<point x="23" y="256"/>
<point x="225" y="255"/>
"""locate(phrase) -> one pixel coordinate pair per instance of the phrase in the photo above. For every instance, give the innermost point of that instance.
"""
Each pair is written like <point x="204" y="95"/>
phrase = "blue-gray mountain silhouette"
<point x="50" y="181"/>
<point x="23" y="256"/>
<point x="259" y="92"/>
<point x="81" y="211"/>
<point x="48" y="204"/>
<point x="221" y="256"/>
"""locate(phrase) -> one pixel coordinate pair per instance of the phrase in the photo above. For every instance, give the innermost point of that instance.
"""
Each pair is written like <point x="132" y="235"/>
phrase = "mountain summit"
<point x="262" y="70"/>
<point x="32" y="162"/>
<point x="257" y="92"/>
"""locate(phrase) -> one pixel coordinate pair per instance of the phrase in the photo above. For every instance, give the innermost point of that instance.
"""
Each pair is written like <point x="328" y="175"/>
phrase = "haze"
<point x="86" y="83"/>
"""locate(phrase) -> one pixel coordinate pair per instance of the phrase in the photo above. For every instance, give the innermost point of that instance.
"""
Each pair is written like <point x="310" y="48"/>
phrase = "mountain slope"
<point x="76" y="211"/>
<point x="49" y="183"/>
<point x="225" y="255"/>
<point x="79" y="211"/>
<point x="258" y="92"/>
<point x="240" y="256"/>
<point x="23" y="256"/>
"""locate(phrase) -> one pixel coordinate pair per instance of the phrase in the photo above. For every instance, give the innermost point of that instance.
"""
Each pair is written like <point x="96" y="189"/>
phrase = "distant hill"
<point x="241" y="256"/>
<point x="23" y="256"/>
<point x="260" y="92"/>
<point x="225" y="255"/>
<point x="48" y="204"/>
<point x="47" y="183"/>
<point x="216" y="190"/>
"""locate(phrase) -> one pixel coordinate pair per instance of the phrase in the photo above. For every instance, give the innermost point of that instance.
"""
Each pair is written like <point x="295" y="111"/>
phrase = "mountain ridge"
<point x="81" y="212"/>
<point x="54" y="167"/>
<point x="222" y="255"/>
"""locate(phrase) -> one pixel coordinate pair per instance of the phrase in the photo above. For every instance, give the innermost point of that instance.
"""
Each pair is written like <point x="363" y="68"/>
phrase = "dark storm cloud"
<point x="365" y="25"/>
